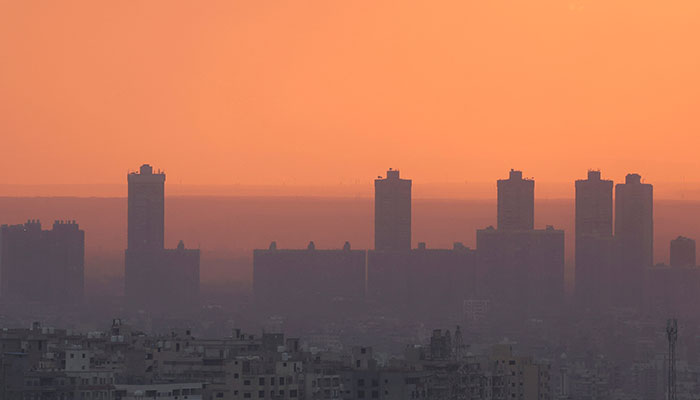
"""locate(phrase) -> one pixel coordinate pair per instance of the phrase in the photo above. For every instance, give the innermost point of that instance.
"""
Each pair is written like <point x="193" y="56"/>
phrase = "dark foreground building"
<point x="45" y="266"/>
<point x="156" y="278"/>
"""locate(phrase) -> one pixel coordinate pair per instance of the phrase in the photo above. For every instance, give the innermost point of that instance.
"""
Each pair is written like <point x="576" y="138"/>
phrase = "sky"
<point x="324" y="93"/>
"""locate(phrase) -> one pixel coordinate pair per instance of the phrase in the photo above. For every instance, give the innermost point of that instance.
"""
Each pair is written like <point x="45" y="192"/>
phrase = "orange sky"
<point x="328" y="92"/>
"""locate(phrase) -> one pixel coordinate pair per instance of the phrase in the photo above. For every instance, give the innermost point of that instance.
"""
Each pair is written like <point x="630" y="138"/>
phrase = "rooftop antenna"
<point x="672" y="334"/>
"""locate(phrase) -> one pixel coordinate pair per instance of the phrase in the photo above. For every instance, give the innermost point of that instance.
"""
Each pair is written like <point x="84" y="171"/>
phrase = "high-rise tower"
<point x="516" y="203"/>
<point x="634" y="237"/>
<point x="594" y="228"/>
<point x="594" y="206"/>
<point x="155" y="278"/>
<point x="392" y="212"/>
<point x="634" y="221"/>
<point x="146" y="224"/>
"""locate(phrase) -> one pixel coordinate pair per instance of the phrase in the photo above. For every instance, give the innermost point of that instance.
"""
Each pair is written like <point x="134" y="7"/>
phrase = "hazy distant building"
<point x="675" y="289"/>
<point x="516" y="202"/>
<point x="422" y="282"/>
<point x="146" y="225"/>
<point x="45" y="266"/>
<point x="156" y="278"/>
<point x="521" y="271"/>
<point x="594" y="206"/>
<point x="594" y="229"/>
<point x="392" y="212"/>
<point x="308" y="281"/>
<point x="634" y="236"/>
<point x="682" y="252"/>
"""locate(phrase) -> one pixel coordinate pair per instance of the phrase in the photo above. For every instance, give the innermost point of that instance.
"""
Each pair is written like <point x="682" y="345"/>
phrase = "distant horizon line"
<point x="422" y="190"/>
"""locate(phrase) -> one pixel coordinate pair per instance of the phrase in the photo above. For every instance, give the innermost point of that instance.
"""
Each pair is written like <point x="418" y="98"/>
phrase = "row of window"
<point x="261" y="380"/>
<point x="293" y="394"/>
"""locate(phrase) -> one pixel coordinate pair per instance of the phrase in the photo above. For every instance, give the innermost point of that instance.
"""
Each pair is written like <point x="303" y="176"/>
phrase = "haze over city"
<point x="444" y="200"/>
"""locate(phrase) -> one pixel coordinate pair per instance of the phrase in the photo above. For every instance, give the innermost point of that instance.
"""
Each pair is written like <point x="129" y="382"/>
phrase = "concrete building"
<point x="594" y="230"/>
<point x="392" y="212"/>
<point x="308" y="280"/>
<point x="156" y="278"/>
<point x="516" y="202"/>
<point x="634" y="236"/>
<point x="45" y="266"/>
<point x="520" y="272"/>
<point x="146" y="212"/>
<point x="682" y="252"/>
<point x="422" y="282"/>
<point x="161" y="391"/>
<point x="519" y="377"/>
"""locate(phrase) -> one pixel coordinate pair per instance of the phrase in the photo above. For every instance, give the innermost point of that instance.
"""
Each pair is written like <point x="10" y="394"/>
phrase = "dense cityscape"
<point x="392" y="322"/>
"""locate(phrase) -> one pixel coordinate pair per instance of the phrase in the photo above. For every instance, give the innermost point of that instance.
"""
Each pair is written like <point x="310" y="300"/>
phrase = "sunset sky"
<point x="330" y="92"/>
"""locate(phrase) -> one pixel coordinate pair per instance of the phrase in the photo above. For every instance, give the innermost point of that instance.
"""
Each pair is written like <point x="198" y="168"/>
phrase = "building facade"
<point x="156" y="278"/>
<point x="634" y="236"/>
<point x="45" y="266"/>
<point x="594" y="232"/>
<point x="392" y="212"/>
<point x="516" y="202"/>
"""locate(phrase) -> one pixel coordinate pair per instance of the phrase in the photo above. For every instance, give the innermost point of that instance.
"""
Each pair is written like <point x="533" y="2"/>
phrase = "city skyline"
<point x="452" y="200"/>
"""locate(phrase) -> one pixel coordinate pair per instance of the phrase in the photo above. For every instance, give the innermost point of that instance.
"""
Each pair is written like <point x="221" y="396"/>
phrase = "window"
<point x="360" y="394"/>
<point x="220" y="395"/>
<point x="293" y="393"/>
<point x="375" y="383"/>
<point x="357" y="363"/>
<point x="247" y="395"/>
<point x="360" y="382"/>
<point x="235" y="376"/>
<point x="261" y="382"/>
<point x="261" y="394"/>
<point x="246" y="382"/>
<point x="375" y="394"/>
<point x="281" y="380"/>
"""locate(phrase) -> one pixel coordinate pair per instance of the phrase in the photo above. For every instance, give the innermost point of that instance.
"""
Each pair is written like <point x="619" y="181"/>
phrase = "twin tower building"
<point x="611" y="266"/>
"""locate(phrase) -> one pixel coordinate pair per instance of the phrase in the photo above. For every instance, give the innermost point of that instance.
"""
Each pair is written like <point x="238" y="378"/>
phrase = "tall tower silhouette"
<point x="392" y="212"/>
<point x="155" y="278"/>
<point x="634" y="236"/>
<point x="516" y="203"/>
<point x="594" y="228"/>
<point x="146" y="220"/>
